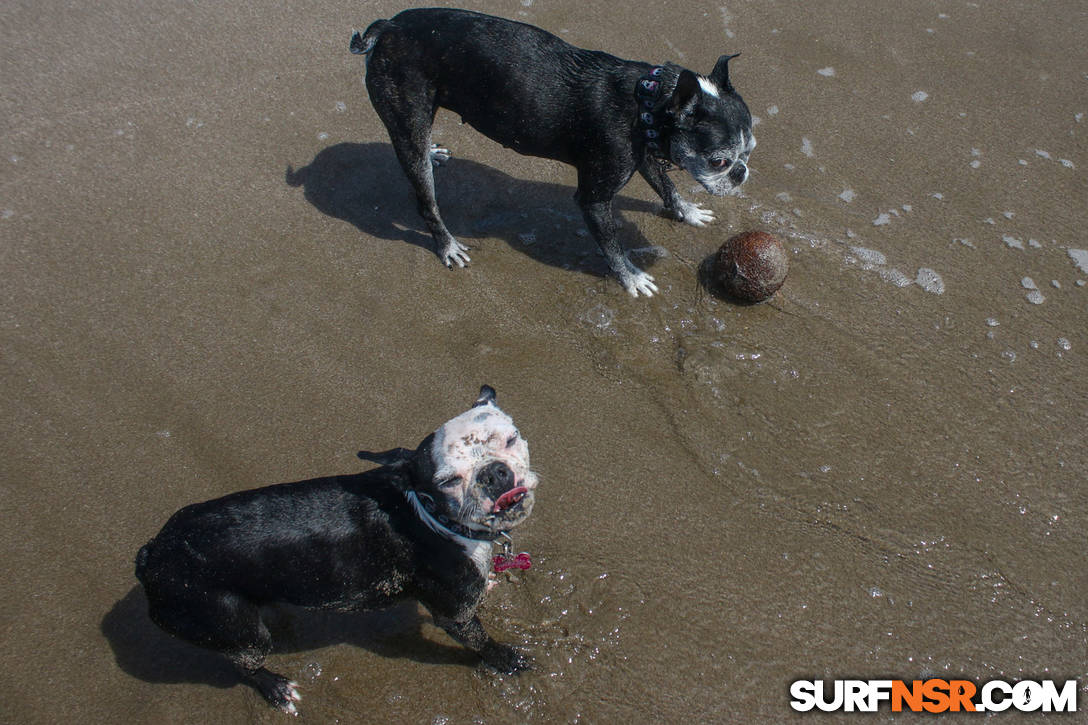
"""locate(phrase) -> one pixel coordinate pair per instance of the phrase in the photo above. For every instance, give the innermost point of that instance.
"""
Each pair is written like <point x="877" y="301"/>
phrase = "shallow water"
<point x="216" y="279"/>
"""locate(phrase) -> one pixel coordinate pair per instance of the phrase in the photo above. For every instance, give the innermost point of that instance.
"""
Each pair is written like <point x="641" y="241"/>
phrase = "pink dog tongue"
<point x="509" y="498"/>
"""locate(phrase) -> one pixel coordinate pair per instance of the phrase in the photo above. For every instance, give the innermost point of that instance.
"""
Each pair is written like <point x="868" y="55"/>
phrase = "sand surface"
<point x="214" y="278"/>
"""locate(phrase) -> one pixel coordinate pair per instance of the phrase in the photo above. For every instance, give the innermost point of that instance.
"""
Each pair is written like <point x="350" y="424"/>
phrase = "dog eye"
<point x="511" y="440"/>
<point x="720" y="163"/>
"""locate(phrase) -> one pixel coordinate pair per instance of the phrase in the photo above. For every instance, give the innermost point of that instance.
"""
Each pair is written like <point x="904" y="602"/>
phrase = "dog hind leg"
<point x="407" y="108"/>
<point x="227" y="623"/>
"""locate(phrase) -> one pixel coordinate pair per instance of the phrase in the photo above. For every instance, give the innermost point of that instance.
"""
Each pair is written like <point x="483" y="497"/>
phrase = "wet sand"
<point x="215" y="278"/>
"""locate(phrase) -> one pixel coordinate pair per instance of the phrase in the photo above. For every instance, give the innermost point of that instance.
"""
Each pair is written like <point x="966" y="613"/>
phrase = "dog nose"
<point x="496" y="479"/>
<point x="738" y="174"/>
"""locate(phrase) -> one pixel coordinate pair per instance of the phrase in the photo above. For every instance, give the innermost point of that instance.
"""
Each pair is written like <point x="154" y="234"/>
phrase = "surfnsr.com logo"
<point x="933" y="695"/>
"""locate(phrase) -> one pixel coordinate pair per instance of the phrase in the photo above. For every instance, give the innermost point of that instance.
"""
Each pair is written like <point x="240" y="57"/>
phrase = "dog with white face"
<point x="481" y="465"/>
<point x="421" y="527"/>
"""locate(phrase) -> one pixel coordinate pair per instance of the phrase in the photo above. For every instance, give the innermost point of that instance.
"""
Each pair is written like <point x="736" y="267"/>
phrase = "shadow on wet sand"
<point x="363" y="184"/>
<point x="146" y="652"/>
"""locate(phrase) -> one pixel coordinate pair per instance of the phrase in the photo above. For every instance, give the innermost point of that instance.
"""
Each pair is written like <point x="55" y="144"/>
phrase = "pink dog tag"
<point x="502" y="562"/>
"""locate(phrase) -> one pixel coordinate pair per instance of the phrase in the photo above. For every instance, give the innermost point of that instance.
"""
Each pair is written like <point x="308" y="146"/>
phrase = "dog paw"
<point x="693" y="214"/>
<point x="506" y="659"/>
<point x="454" y="253"/>
<point x="637" y="282"/>
<point x="439" y="155"/>
<point x="280" y="692"/>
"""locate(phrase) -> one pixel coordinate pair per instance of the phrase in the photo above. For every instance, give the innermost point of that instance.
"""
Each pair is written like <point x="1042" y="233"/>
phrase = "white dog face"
<point x="481" y="474"/>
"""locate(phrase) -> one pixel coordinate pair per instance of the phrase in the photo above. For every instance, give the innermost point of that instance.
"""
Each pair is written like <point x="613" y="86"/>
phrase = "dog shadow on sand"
<point x="363" y="184"/>
<point x="144" y="651"/>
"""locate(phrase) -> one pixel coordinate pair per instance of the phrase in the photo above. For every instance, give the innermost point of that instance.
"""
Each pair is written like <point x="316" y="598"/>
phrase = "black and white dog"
<point x="420" y="527"/>
<point x="532" y="92"/>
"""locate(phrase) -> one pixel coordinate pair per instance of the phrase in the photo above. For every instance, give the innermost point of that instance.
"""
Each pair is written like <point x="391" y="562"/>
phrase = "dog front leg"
<point x="471" y="634"/>
<point x="676" y="206"/>
<point x="602" y="225"/>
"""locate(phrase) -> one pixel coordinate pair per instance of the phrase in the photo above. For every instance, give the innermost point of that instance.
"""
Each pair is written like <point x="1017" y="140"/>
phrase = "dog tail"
<point x="141" y="561"/>
<point x="363" y="43"/>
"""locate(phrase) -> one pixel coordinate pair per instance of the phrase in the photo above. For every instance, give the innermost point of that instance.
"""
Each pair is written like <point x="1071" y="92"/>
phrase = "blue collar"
<point x="443" y="526"/>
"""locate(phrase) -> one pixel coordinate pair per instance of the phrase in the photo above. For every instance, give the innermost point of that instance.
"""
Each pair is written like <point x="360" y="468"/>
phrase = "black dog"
<point x="540" y="96"/>
<point x="421" y="527"/>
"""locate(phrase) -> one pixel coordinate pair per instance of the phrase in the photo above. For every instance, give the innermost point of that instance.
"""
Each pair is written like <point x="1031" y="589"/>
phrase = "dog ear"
<point x="720" y="74"/>
<point x="422" y="463"/>
<point x="487" y="396"/>
<point x="394" y="457"/>
<point x="685" y="95"/>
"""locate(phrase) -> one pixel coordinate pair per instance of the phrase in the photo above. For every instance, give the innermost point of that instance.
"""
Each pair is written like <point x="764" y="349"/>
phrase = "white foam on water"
<point x="600" y="317"/>
<point x="772" y="110"/>
<point x="930" y="281"/>
<point x="654" y="250"/>
<point x="1066" y="163"/>
<point x="827" y="72"/>
<point x="1080" y="258"/>
<point x="893" y="275"/>
<point x="727" y="19"/>
<point x="806" y="147"/>
<point x="1043" y="153"/>
<point x="1028" y="283"/>
<point x="1035" y="297"/>
<point x="1034" y="244"/>
<point x="881" y="220"/>
<point x="1055" y="284"/>
<point x="869" y="256"/>
<point x="1012" y="241"/>
<point x="848" y="195"/>
<point x="341" y="106"/>
<point x="1064" y="344"/>
<point x="992" y="322"/>
<point x="679" y="53"/>
<point x="919" y="96"/>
